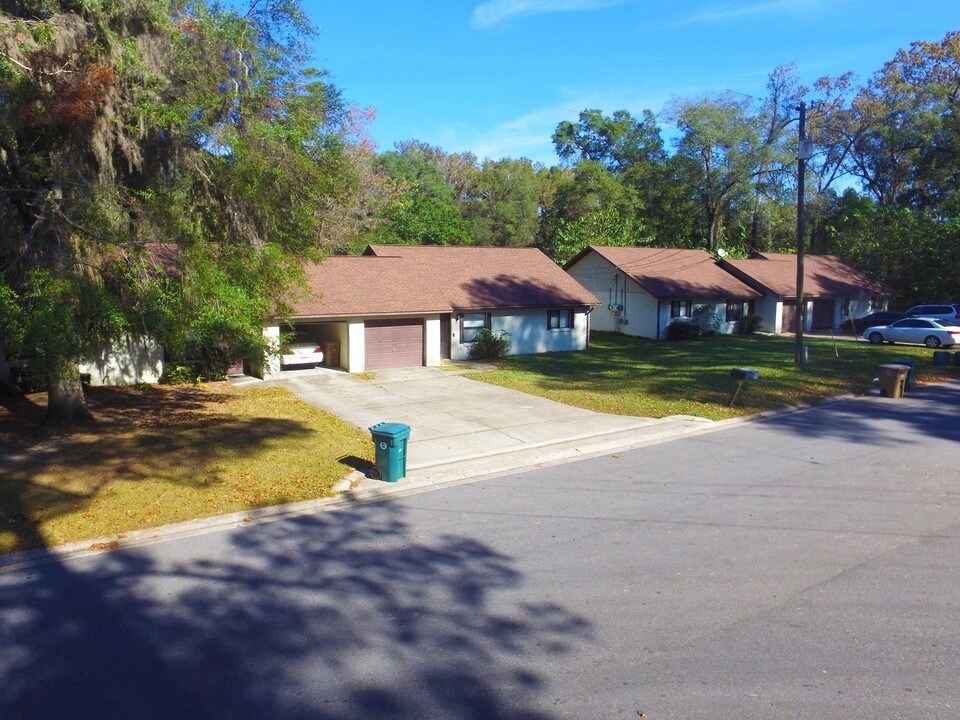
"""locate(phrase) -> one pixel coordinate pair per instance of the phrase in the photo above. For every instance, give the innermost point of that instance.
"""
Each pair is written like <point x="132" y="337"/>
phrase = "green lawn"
<point x="164" y="454"/>
<point x="646" y="378"/>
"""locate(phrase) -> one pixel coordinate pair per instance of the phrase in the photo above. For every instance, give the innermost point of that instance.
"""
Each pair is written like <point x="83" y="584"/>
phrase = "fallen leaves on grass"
<point x="164" y="454"/>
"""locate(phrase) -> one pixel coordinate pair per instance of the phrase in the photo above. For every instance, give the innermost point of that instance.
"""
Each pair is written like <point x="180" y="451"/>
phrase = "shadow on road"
<point x="926" y="409"/>
<point x="351" y="614"/>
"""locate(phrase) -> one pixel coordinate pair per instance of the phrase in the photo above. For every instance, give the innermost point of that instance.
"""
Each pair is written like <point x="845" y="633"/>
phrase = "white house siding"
<point x="431" y="341"/>
<point x="356" y="347"/>
<point x="529" y="333"/>
<point x="599" y="277"/>
<point x="638" y="315"/>
<point x="129" y="361"/>
<point x="719" y="306"/>
<point x="770" y="310"/>
<point x="271" y="368"/>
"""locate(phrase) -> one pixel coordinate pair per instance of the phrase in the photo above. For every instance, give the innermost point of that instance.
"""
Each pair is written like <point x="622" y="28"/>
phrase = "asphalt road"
<point x="804" y="566"/>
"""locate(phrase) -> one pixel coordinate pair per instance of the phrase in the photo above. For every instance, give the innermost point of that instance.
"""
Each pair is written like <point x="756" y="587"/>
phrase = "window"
<point x="736" y="309"/>
<point x="471" y="324"/>
<point x="560" y="319"/>
<point x="679" y="308"/>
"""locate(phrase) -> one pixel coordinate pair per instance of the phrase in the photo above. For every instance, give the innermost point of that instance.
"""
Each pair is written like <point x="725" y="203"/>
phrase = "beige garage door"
<point x="393" y="343"/>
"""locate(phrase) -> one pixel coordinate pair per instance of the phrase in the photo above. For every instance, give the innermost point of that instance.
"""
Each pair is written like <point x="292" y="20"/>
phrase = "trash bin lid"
<point x="391" y="429"/>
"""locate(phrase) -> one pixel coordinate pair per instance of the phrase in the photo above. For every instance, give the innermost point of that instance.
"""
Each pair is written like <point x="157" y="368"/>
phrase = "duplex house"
<point x="397" y="306"/>
<point x="643" y="289"/>
<point x="832" y="290"/>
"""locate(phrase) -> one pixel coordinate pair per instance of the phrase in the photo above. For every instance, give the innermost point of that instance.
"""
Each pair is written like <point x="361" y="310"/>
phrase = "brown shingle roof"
<point x="674" y="272"/>
<point x="823" y="275"/>
<point x="406" y="279"/>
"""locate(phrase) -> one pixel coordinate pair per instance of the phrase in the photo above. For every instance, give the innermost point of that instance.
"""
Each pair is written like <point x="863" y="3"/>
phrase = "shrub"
<point x="184" y="374"/>
<point x="682" y="330"/>
<point x="706" y="317"/>
<point x="749" y="323"/>
<point x="489" y="346"/>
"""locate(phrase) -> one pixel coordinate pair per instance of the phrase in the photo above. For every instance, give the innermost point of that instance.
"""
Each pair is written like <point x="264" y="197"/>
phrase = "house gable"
<point x="668" y="273"/>
<point x="642" y="285"/>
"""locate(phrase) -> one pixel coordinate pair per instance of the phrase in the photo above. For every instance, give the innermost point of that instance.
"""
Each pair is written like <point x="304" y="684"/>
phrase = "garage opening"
<point x="822" y="315"/>
<point x="329" y="337"/>
<point x="393" y="343"/>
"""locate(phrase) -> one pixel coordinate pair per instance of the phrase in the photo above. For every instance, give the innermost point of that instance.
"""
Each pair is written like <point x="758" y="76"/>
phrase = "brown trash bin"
<point x="893" y="379"/>
<point x="331" y="354"/>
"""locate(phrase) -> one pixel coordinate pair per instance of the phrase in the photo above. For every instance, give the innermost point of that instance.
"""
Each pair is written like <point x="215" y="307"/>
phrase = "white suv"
<point x="942" y="311"/>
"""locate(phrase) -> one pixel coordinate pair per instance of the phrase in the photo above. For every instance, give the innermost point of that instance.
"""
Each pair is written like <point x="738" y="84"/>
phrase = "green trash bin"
<point x="390" y="444"/>
<point x="911" y="373"/>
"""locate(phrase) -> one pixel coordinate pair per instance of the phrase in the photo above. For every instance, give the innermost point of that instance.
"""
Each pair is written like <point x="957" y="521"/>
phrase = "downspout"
<point x="616" y="295"/>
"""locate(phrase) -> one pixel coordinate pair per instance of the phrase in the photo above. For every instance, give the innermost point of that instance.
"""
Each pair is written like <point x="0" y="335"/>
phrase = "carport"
<point x="332" y="336"/>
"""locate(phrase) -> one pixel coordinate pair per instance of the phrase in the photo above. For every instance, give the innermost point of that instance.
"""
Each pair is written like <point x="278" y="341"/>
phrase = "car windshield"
<point x="945" y="323"/>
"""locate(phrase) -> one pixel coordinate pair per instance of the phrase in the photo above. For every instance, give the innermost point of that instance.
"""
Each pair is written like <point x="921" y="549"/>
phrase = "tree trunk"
<point x="66" y="404"/>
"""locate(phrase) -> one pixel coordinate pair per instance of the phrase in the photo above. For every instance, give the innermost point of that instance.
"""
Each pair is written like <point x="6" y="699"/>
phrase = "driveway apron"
<point x="454" y="419"/>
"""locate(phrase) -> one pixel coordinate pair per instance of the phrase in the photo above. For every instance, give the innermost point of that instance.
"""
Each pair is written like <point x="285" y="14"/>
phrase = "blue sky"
<point x="494" y="78"/>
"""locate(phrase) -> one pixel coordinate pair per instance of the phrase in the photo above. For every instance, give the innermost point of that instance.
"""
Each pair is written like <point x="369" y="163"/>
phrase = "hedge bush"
<point x="681" y="330"/>
<point x="489" y="346"/>
<point x="749" y="324"/>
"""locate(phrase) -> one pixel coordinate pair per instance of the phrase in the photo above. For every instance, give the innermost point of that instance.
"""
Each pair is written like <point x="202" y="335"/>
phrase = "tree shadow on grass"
<point x="698" y="372"/>
<point x="342" y="615"/>
<point x="170" y="438"/>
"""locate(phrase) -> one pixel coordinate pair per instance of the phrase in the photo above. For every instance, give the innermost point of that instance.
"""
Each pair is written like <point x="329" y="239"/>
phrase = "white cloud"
<point x="529" y="135"/>
<point x="728" y="11"/>
<point x="493" y="12"/>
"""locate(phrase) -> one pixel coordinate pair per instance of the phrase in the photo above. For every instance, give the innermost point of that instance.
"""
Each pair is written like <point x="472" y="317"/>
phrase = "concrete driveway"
<point x="463" y="428"/>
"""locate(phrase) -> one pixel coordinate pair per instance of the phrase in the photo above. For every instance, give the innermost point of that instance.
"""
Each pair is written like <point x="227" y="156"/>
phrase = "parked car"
<point x="943" y="311"/>
<point x="301" y="350"/>
<point x="927" y="331"/>
<point x="881" y="317"/>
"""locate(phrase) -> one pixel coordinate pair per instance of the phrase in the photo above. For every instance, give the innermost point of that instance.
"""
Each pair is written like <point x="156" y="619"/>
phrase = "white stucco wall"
<point x="529" y="333"/>
<point x="719" y="306"/>
<point x="431" y="341"/>
<point x="271" y="368"/>
<point x="770" y="311"/>
<point x="638" y="316"/>
<point x="356" y="348"/>
<point x="129" y="361"/>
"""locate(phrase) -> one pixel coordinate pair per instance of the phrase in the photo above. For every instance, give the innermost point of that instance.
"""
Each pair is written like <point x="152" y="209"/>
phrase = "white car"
<point x="301" y="350"/>
<point x="918" y="331"/>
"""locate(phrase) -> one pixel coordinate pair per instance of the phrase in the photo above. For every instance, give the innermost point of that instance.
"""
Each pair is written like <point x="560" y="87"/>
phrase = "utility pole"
<point x="803" y="154"/>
